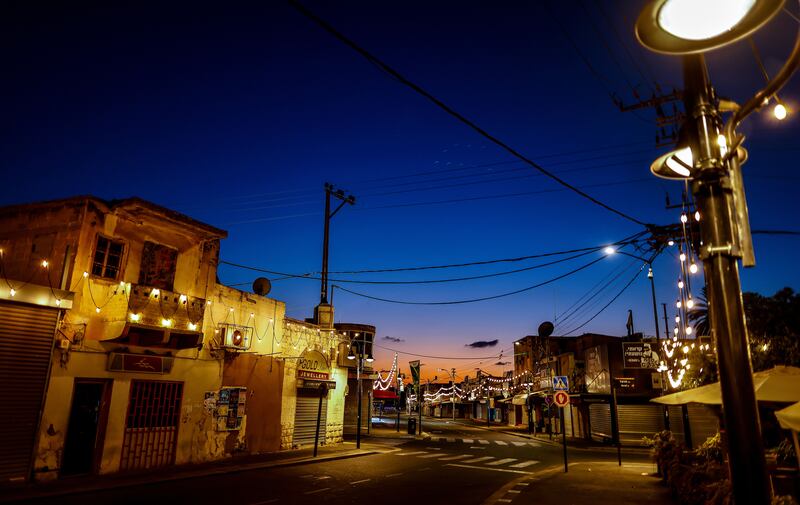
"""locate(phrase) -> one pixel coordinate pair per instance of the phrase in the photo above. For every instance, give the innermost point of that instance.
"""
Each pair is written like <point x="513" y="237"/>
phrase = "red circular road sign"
<point x="561" y="398"/>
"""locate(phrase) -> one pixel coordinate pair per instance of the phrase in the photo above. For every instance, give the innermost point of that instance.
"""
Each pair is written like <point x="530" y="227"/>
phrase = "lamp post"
<point x="711" y="160"/>
<point x="360" y="355"/>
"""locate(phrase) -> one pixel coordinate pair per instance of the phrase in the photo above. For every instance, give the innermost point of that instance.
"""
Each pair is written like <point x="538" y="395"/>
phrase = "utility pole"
<point x="323" y="313"/>
<point x="453" y="385"/>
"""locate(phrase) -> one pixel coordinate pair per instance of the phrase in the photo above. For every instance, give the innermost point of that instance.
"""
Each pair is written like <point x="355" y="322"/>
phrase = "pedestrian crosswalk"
<point x="472" y="441"/>
<point x="468" y="459"/>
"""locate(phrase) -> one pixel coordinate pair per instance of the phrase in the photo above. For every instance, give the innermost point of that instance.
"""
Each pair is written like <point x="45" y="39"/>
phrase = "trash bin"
<point x="412" y="425"/>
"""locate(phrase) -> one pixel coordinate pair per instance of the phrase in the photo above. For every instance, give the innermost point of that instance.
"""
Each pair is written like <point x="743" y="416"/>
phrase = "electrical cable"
<point x="481" y="299"/>
<point x="452" y="112"/>
<point x="583" y="301"/>
<point x="431" y="357"/>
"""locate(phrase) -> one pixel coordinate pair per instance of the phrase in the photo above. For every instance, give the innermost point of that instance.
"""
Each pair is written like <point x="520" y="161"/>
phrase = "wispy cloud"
<point x="393" y="339"/>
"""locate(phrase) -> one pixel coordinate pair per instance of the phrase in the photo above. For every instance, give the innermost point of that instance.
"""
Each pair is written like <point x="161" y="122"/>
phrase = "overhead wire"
<point x="452" y="112"/>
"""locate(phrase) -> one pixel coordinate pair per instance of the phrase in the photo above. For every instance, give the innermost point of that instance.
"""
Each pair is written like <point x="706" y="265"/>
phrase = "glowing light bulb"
<point x="58" y="301"/>
<point x="208" y="302"/>
<point x="697" y="215"/>
<point x="689" y="303"/>
<point x="765" y="347"/>
<point x="685" y="349"/>
<point x="192" y="326"/>
<point x="182" y="299"/>
<point x="693" y="268"/>
<point x="252" y="314"/>
<point x="678" y="304"/>
<point x="85" y="274"/>
<point x="166" y="323"/>
<point x="684" y="218"/>
<point x="609" y="250"/>
<point x="45" y="263"/>
<point x="671" y="243"/>
<point x="12" y="291"/>
<point x="682" y="257"/>
<point x="97" y="309"/>
<point x="135" y="317"/>
<point x="155" y="293"/>
<point x="230" y="309"/>
<point x="680" y="284"/>
<point x="677" y="319"/>
<point x="675" y="331"/>
<point x="779" y="111"/>
<point x="688" y="330"/>
<point x="722" y="142"/>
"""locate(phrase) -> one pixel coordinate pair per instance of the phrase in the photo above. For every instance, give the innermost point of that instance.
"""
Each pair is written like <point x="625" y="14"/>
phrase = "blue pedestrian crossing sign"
<point x="560" y="383"/>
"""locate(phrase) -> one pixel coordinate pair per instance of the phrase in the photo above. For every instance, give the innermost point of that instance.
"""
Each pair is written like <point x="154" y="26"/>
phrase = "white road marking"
<point x="477" y="447"/>
<point x="500" y="442"/>
<point x="317" y="490"/>
<point x="519" y="444"/>
<point x="488" y="469"/>
<point x="504" y="500"/>
<point x="478" y="460"/>
<point x="501" y="461"/>
<point x="485" y="442"/>
<point x="394" y="475"/>
<point x="453" y="458"/>
<point x="534" y="444"/>
<point x="323" y="477"/>
<point x="467" y="440"/>
<point x="434" y="455"/>
<point x="360" y="481"/>
<point x="514" y="491"/>
<point x="522" y="483"/>
<point x="525" y="463"/>
<point x="434" y="448"/>
<point x="411" y="453"/>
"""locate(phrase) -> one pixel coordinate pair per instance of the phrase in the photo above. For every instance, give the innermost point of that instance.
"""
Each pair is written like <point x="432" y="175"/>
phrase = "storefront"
<point x="311" y="409"/>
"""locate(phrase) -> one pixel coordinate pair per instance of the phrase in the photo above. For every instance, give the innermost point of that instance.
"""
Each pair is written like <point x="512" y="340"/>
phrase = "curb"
<point x="154" y="478"/>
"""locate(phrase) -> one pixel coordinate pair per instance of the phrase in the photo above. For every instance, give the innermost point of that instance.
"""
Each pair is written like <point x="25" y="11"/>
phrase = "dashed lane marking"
<point x="360" y="481"/>
<point x="500" y="442"/>
<point x="488" y="468"/>
<point x="478" y="460"/>
<point x="453" y="458"/>
<point x="519" y="444"/>
<point x="317" y="490"/>
<point x="484" y="442"/>
<point x="434" y="455"/>
<point x="467" y="440"/>
<point x="501" y="461"/>
<point x="514" y="491"/>
<point x="525" y="464"/>
<point x="477" y="447"/>
<point x="434" y="448"/>
<point x="394" y="475"/>
<point x="504" y="500"/>
<point x="411" y="453"/>
<point x="323" y="477"/>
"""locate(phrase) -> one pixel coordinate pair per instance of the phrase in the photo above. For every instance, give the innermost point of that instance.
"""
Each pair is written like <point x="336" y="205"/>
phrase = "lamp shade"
<point x="696" y="26"/>
<point x="679" y="163"/>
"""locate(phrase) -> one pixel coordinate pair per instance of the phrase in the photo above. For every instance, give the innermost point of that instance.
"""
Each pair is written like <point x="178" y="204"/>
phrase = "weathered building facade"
<point x="140" y="358"/>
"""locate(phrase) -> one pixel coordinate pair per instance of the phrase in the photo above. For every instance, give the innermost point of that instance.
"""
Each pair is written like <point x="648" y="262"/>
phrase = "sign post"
<point x="561" y="399"/>
<point x="414" y="365"/>
<point x="323" y="390"/>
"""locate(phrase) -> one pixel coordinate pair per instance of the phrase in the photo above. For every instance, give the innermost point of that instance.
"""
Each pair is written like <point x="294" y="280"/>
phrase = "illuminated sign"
<point x="313" y="365"/>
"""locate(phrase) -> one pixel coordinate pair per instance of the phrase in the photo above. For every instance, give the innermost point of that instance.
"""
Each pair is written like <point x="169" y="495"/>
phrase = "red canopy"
<point x="386" y="394"/>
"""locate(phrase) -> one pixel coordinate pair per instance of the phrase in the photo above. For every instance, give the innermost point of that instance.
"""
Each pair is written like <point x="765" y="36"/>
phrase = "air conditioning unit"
<point x="234" y="337"/>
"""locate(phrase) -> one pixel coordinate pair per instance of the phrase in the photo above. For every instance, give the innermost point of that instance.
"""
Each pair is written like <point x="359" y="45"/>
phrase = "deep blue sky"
<point x="237" y="115"/>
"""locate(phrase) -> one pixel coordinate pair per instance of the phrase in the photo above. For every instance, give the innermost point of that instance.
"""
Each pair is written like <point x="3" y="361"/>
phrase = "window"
<point x="158" y="266"/>
<point x="107" y="258"/>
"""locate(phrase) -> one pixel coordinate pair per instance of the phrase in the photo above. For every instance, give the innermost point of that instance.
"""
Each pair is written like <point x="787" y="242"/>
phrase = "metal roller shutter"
<point x="703" y="422"/>
<point x="676" y="423"/>
<point x="26" y="347"/>
<point x="600" y="421"/>
<point x="637" y="421"/>
<point x="305" y="419"/>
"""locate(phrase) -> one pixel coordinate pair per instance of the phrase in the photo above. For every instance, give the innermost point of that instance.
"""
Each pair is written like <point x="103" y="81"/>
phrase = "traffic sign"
<point x="561" y="398"/>
<point x="561" y="383"/>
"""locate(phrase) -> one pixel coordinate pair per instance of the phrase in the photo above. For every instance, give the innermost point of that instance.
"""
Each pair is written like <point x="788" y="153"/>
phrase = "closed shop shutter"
<point x="703" y="422"/>
<point x="600" y="421"/>
<point x="676" y="423"/>
<point x="637" y="421"/>
<point x="26" y="347"/>
<point x="305" y="419"/>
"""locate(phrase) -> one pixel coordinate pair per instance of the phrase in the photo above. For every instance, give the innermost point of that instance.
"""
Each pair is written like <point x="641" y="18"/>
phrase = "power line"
<point x="449" y="110"/>
<point x="482" y="299"/>
<point x="595" y="291"/>
<point x="432" y="357"/>
<point x="638" y="272"/>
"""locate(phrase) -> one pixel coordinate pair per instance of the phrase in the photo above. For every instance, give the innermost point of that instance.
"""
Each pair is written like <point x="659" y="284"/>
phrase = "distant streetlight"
<point x="713" y="164"/>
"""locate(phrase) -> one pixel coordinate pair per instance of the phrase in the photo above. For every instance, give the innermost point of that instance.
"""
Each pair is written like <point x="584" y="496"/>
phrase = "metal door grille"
<point x="151" y="427"/>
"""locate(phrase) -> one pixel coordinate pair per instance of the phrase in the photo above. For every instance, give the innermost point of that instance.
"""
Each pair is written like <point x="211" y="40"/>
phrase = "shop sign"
<point x="639" y="355"/>
<point x="313" y="365"/>
<point x="137" y="363"/>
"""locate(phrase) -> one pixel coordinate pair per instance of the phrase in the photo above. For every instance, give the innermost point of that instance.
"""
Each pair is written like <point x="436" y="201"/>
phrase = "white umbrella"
<point x="790" y="419"/>
<point x="780" y="384"/>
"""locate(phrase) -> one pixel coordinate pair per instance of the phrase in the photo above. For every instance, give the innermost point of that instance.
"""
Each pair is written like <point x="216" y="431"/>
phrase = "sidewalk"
<point x="82" y="484"/>
<point x="590" y="482"/>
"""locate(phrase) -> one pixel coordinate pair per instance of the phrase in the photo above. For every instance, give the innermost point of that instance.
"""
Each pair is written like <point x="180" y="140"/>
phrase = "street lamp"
<point x="361" y="356"/>
<point x="691" y="28"/>
<point x="611" y="250"/>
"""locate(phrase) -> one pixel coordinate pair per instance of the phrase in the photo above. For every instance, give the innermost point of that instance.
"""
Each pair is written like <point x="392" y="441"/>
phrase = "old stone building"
<point x="121" y="351"/>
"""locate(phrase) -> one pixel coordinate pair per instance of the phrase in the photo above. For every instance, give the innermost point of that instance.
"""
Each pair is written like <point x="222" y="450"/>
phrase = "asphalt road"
<point x="460" y="465"/>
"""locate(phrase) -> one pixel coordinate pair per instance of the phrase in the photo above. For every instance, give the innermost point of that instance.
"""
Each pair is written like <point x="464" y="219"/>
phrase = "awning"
<point x="384" y="394"/>
<point x="789" y="417"/>
<point x="779" y="384"/>
<point x="519" y="399"/>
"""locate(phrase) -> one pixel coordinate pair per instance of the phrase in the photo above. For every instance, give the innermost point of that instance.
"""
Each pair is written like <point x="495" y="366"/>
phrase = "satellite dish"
<point x="262" y="286"/>
<point x="546" y="329"/>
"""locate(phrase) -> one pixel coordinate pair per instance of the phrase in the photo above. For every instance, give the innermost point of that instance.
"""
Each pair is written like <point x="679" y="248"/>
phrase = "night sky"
<point x="237" y="114"/>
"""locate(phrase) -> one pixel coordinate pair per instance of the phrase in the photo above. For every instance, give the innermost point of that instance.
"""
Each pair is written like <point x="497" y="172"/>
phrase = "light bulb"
<point x="675" y="331"/>
<point x="678" y="304"/>
<point x="135" y="317"/>
<point x="682" y="257"/>
<point x="697" y="215"/>
<point x="688" y="330"/>
<point x="684" y="218"/>
<point x="182" y="299"/>
<point x="12" y="291"/>
<point x="677" y="319"/>
<point x="689" y="303"/>
<point x="85" y="274"/>
<point x="671" y="243"/>
<point x="609" y="250"/>
<point x="685" y="349"/>
<point x="779" y="111"/>
<point x="45" y="263"/>
<point x="155" y="293"/>
<point x="97" y="309"/>
<point x="208" y="302"/>
<point x="680" y="284"/>
<point x="166" y="323"/>
<point x="693" y="268"/>
<point x="192" y="326"/>
<point x="722" y="142"/>
<point x="58" y="302"/>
